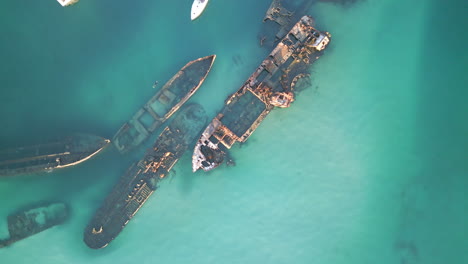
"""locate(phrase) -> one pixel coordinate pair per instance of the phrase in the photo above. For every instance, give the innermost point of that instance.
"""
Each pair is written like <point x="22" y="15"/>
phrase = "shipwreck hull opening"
<point x="249" y="107"/>
<point x="176" y="92"/>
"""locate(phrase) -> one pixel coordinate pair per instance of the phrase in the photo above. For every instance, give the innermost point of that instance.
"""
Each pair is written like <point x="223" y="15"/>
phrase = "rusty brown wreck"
<point x="271" y="85"/>
<point x="142" y="178"/>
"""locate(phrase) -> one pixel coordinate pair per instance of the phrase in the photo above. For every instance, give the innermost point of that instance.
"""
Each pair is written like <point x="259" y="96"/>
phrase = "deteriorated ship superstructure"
<point x="61" y="153"/>
<point x="33" y="220"/>
<point x="271" y="85"/>
<point x="280" y="18"/>
<point x="163" y="104"/>
<point x="141" y="179"/>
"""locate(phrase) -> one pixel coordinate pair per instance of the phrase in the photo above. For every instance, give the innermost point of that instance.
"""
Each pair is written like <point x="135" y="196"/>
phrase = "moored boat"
<point x="198" y="7"/>
<point x="67" y="2"/>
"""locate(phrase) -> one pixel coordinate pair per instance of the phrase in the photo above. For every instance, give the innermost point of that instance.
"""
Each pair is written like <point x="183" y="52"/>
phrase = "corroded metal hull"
<point x="28" y="222"/>
<point x="62" y="153"/>
<point x="280" y="18"/>
<point x="163" y="104"/>
<point x="271" y="85"/>
<point x="141" y="179"/>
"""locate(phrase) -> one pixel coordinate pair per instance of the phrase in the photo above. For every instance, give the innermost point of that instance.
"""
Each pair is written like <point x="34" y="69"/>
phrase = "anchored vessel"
<point x="67" y="152"/>
<point x="28" y="222"/>
<point x="163" y="104"/>
<point x="141" y="179"/>
<point x="198" y="7"/>
<point x="67" y="2"/>
<point x="271" y="85"/>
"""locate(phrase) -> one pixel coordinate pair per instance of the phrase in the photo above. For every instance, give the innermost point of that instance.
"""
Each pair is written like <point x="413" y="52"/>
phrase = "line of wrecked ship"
<point x="141" y="179"/>
<point x="33" y="220"/>
<point x="163" y="104"/>
<point x="62" y="153"/>
<point x="271" y="85"/>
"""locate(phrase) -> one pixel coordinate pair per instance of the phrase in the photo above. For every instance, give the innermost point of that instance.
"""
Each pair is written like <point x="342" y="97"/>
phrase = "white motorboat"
<point x="67" y="2"/>
<point x="197" y="8"/>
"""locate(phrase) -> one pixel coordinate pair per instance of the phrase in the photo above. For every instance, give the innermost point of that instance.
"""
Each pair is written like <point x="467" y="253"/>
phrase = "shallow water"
<point x="368" y="165"/>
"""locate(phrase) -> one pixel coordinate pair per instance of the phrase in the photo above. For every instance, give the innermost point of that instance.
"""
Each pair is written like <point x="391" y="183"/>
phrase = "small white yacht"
<point x="67" y="2"/>
<point x="197" y="8"/>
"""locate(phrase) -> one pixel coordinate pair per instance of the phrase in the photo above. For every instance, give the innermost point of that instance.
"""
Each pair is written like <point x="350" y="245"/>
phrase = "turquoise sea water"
<point x="369" y="165"/>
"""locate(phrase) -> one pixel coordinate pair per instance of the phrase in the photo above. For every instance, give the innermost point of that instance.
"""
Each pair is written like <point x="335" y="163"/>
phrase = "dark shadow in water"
<point x="407" y="250"/>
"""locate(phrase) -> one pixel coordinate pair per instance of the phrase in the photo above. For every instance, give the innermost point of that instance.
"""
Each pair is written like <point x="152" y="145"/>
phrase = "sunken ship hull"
<point x="163" y="104"/>
<point x="141" y="179"/>
<point x="28" y="222"/>
<point x="272" y="85"/>
<point x="67" y="152"/>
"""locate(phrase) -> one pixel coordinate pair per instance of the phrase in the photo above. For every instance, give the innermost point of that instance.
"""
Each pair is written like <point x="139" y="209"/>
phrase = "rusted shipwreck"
<point x="271" y="85"/>
<point x="141" y="179"/>
<point x="33" y="220"/>
<point x="280" y="18"/>
<point x="57" y="154"/>
<point x="163" y="104"/>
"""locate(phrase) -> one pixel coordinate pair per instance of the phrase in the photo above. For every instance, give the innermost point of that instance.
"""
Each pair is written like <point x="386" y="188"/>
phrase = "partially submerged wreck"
<point x="163" y="104"/>
<point x="141" y="179"/>
<point x="33" y="220"/>
<point x="271" y="85"/>
<point x="280" y="18"/>
<point x="57" y="154"/>
<point x="279" y="15"/>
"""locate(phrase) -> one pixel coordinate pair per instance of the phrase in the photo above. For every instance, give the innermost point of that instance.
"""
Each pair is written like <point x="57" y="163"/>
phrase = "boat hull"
<point x="67" y="2"/>
<point x="198" y="7"/>
<point x="142" y="178"/>
<point x="33" y="220"/>
<point x="271" y="85"/>
<point x="46" y="157"/>
<point x="163" y="104"/>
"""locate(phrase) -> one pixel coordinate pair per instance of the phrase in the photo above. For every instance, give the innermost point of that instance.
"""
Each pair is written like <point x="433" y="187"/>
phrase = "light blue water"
<point x="369" y="165"/>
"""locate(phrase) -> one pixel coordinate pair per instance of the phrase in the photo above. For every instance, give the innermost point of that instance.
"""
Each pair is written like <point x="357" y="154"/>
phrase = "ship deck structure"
<point x="271" y="85"/>
<point x="66" y="152"/>
<point x="141" y="179"/>
<point x="280" y="18"/>
<point x="163" y="104"/>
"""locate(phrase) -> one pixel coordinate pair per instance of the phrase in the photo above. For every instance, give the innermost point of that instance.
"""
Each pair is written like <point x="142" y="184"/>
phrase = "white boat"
<point x="197" y="8"/>
<point x="67" y="2"/>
